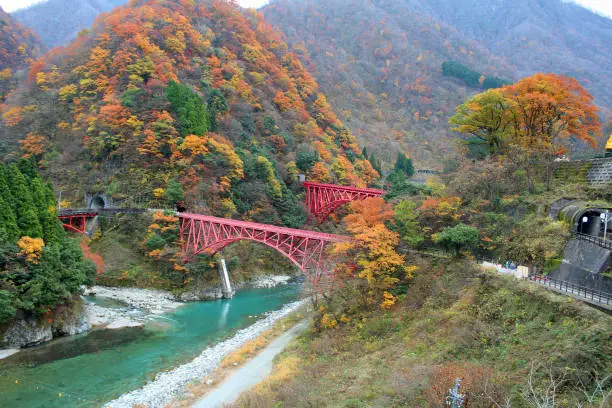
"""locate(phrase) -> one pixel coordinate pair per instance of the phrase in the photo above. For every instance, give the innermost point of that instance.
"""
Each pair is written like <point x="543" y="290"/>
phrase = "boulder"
<point x="27" y="332"/>
<point x="72" y="324"/>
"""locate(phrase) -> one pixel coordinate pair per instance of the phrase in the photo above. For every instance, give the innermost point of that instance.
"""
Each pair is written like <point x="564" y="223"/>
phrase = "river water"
<point x="91" y="369"/>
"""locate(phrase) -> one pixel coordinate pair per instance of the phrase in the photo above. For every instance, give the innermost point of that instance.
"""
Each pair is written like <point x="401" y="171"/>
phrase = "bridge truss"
<point x="323" y="199"/>
<point x="306" y="249"/>
<point x="75" y="220"/>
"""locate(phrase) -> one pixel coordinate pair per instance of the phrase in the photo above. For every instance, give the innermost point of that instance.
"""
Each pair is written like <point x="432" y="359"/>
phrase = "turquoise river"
<point x="91" y="369"/>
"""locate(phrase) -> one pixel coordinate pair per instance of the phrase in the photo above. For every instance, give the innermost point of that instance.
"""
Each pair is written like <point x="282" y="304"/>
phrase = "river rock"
<point x="27" y="332"/>
<point x="121" y="323"/>
<point x="202" y="294"/>
<point x="7" y="353"/>
<point x="75" y="322"/>
<point x="270" y="281"/>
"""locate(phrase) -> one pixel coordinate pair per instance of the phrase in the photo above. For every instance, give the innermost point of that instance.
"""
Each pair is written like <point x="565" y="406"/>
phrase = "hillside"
<point x="536" y="35"/>
<point x="18" y="46"/>
<point x="381" y="62"/>
<point x="200" y="93"/>
<point x="495" y="333"/>
<point x="382" y="69"/>
<point x="58" y="22"/>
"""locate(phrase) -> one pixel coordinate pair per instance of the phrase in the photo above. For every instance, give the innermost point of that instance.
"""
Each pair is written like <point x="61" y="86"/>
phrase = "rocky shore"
<point x="153" y="301"/>
<point x="28" y="331"/>
<point x="168" y="384"/>
<point x="141" y="305"/>
<point x="79" y="317"/>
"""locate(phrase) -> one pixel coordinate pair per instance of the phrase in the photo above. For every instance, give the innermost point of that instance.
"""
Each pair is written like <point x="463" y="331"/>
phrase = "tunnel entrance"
<point x="98" y="203"/>
<point x="596" y="222"/>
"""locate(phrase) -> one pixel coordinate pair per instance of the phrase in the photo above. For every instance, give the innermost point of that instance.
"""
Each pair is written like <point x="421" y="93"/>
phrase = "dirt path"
<point x="251" y="373"/>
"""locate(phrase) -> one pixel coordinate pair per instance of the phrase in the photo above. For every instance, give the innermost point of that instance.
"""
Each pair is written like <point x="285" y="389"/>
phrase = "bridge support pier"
<point x="226" y="284"/>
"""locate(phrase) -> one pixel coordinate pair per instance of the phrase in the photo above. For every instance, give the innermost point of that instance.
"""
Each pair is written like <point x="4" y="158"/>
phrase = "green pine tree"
<point x="23" y="204"/>
<point x="193" y="117"/>
<point x="9" y="231"/>
<point x="51" y="226"/>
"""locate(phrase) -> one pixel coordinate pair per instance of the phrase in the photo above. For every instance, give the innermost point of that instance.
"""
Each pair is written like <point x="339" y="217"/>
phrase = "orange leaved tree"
<point x="548" y="109"/>
<point x="371" y="257"/>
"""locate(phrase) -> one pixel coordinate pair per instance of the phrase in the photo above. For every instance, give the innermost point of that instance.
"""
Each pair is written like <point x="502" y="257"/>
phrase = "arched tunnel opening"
<point x="98" y="203"/>
<point x="596" y="222"/>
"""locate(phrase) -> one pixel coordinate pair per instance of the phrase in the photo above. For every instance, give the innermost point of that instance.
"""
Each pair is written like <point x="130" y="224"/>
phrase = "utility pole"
<point x="604" y="218"/>
<point x="59" y="202"/>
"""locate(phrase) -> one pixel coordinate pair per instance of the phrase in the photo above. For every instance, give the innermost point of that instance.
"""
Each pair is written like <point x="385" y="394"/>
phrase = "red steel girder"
<point x="323" y="199"/>
<point x="76" y="222"/>
<point x="306" y="249"/>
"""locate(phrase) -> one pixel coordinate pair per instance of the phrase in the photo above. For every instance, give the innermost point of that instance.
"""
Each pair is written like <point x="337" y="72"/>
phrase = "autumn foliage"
<point x="19" y="46"/>
<point x="542" y="113"/>
<point x="372" y="256"/>
<point x="188" y="91"/>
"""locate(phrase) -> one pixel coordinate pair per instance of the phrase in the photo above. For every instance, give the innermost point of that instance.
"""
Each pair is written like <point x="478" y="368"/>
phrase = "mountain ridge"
<point x="49" y="20"/>
<point x="387" y="56"/>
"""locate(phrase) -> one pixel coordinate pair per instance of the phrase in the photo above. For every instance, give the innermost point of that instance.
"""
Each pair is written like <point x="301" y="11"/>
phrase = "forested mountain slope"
<point x="201" y="93"/>
<point x="59" y="21"/>
<point x="380" y="62"/>
<point x="535" y="35"/>
<point x="382" y="69"/>
<point x="18" y="46"/>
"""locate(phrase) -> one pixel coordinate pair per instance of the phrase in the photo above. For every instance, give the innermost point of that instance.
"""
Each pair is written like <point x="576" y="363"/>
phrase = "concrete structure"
<point x="226" y="284"/>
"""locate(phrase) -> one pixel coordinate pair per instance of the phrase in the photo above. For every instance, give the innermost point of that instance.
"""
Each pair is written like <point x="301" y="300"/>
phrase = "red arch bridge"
<point x="323" y="199"/>
<point x="207" y="234"/>
<point x="306" y="249"/>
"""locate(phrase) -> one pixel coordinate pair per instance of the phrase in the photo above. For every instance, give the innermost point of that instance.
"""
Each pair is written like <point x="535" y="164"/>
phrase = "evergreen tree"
<point x="193" y="117"/>
<point x="9" y="231"/>
<point x="23" y="204"/>
<point x="376" y="163"/>
<point x="27" y="167"/>
<point x="174" y="192"/>
<point x="51" y="226"/>
<point x="404" y="164"/>
<point x="364" y="153"/>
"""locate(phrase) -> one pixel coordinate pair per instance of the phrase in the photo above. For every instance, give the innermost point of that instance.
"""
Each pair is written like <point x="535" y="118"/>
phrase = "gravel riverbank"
<point x="141" y="306"/>
<point x="154" y="301"/>
<point x="168" y="384"/>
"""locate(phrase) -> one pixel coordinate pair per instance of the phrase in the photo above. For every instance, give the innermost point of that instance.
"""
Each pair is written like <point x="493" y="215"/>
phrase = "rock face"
<point x="26" y="333"/>
<point x="71" y="324"/>
<point x="203" y="294"/>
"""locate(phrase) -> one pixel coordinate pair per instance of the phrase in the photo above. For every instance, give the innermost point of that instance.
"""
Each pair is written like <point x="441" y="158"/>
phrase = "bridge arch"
<point x="306" y="249"/>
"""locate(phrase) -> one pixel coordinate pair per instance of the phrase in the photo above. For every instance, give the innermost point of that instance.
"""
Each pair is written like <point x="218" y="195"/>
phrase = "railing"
<point x="579" y="292"/>
<point x="604" y="243"/>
